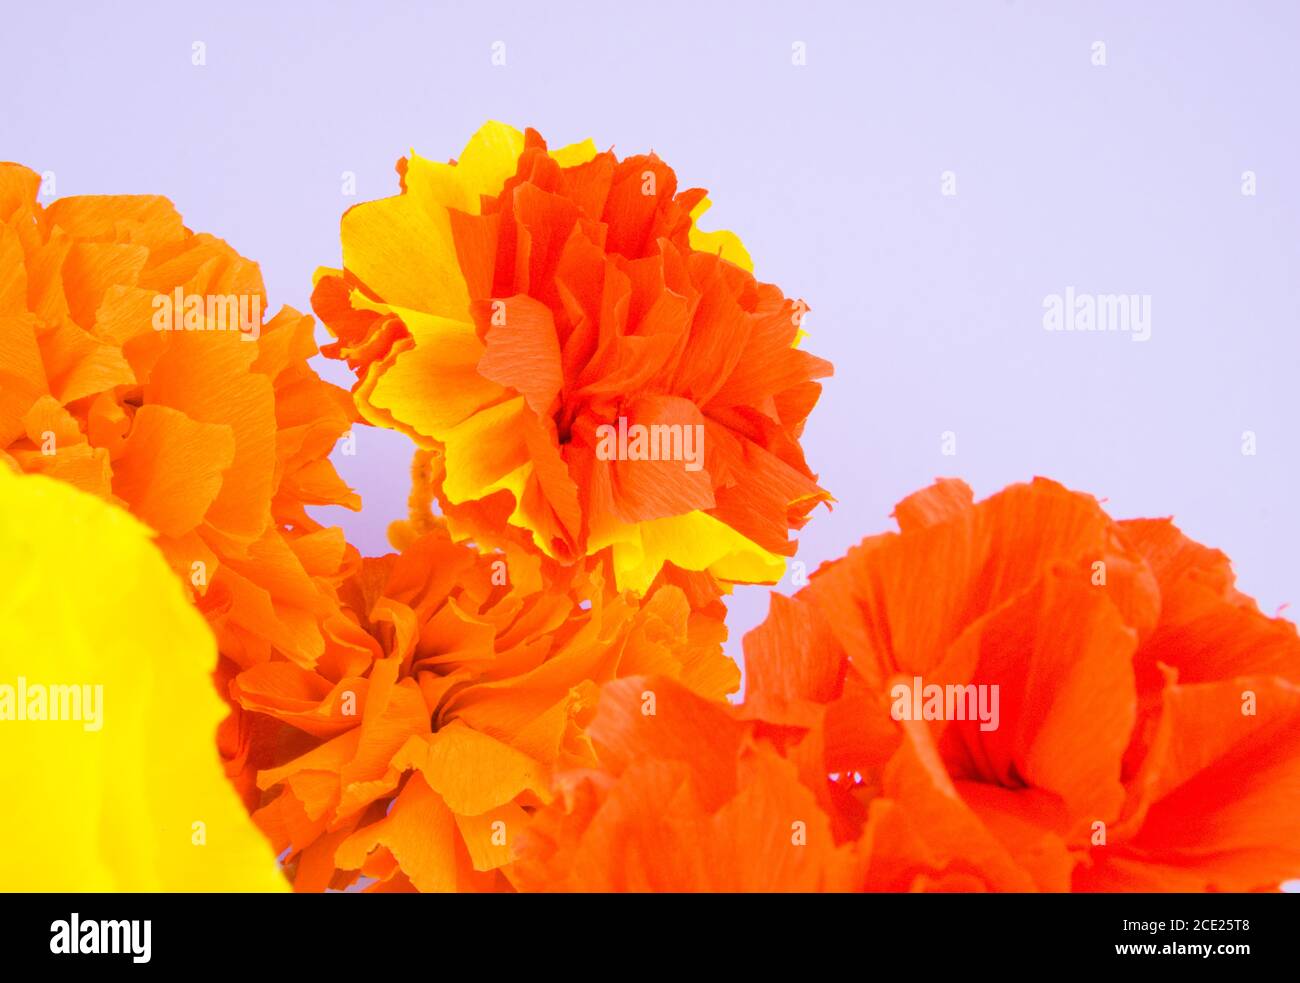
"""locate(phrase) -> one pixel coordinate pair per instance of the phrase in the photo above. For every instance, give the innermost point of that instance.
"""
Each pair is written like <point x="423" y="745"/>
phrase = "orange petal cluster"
<point x="217" y="439"/>
<point x="687" y="797"/>
<point x="504" y="308"/>
<point x="1148" y="735"/>
<point x="415" y="761"/>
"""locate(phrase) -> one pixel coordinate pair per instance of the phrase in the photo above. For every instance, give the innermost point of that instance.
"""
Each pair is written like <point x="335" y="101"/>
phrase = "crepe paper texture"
<point x="530" y="692"/>
<point x="1147" y="739"/>
<point x="110" y="765"/>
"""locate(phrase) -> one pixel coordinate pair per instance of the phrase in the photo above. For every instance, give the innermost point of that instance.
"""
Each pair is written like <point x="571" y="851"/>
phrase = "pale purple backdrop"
<point x="1125" y="177"/>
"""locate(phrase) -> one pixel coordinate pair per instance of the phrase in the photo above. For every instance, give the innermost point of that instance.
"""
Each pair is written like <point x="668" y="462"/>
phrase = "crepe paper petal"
<point x="684" y="802"/>
<point x="108" y="711"/>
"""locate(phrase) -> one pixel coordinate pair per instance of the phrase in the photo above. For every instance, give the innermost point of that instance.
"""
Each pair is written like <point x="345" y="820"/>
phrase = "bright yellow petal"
<point x="488" y="160"/>
<point x="141" y="802"/>
<point x="487" y="453"/>
<point x="446" y="366"/>
<point x="403" y="251"/>
<point x="720" y="243"/>
<point x="695" y="541"/>
<point x="402" y="247"/>
<point x="575" y="153"/>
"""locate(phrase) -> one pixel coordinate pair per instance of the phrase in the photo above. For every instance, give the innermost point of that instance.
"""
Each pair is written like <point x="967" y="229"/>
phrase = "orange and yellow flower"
<point x="504" y="308"/>
<point x="1147" y="736"/>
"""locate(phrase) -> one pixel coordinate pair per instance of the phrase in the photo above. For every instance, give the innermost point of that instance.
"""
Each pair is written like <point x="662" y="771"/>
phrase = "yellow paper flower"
<point x="125" y="790"/>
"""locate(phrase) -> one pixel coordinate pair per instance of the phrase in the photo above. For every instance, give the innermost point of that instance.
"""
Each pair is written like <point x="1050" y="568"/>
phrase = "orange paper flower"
<point x="599" y="373"/>
<point x="135" y="364"/>
<point x="417" y="760"/>
<point x="1017" y="695"/>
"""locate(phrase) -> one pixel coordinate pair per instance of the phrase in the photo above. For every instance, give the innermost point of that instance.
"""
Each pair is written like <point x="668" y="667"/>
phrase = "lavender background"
<point x="1123" y="178"/>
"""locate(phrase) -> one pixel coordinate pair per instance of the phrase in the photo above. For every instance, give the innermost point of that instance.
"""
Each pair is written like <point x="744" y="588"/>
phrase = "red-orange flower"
<point x="599" y="373"/>
<point x="418" y="759"/>
<point x="1017" y="695"/>
<point x="686" y="799"/>
<point x="213" y="431"/>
